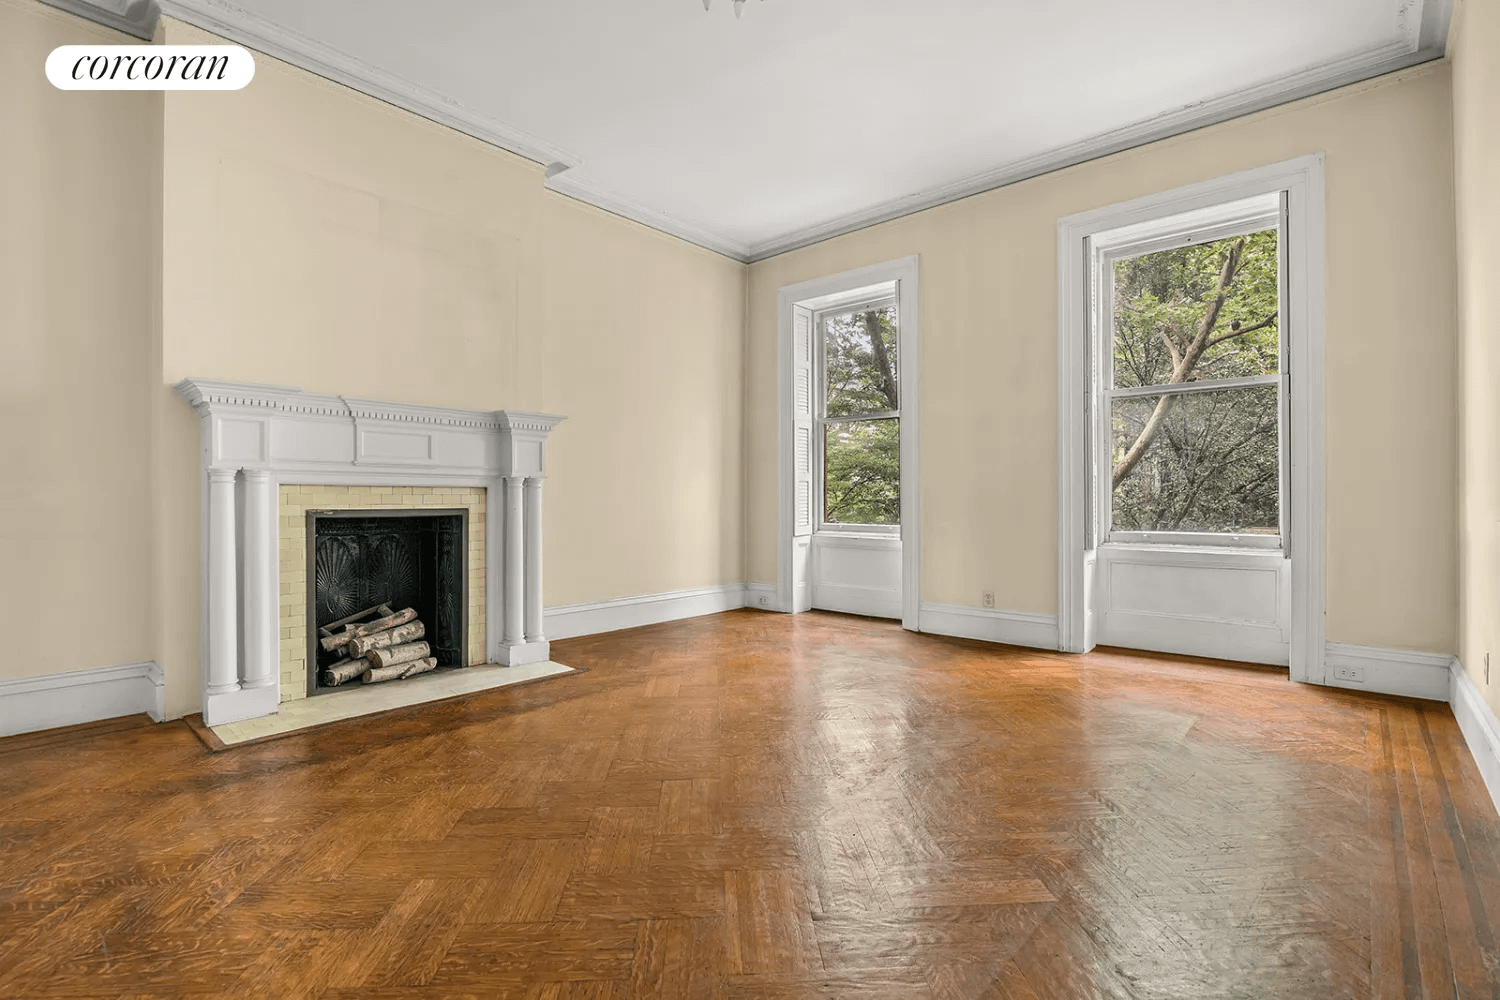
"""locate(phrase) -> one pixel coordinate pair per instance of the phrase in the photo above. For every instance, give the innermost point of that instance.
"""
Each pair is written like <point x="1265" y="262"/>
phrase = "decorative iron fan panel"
<point x="417" y="561"/>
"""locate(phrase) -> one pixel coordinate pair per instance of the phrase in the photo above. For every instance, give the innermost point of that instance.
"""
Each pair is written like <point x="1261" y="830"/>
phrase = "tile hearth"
<point x="308" y="712"/>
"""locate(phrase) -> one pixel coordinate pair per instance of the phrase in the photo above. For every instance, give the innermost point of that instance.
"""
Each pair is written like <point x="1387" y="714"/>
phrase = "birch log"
<point x="344" y="671"/>
<point x="410" y="632"/>
<point x="351" y="632"/>
<point x="338" y="639"/>
<point x="419" y="666"/>
<point x="398" y="654"/>
<point x="398" y="670"/>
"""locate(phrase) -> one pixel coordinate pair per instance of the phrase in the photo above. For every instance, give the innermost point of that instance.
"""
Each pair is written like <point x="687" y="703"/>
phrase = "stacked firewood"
<point x="385" y="649"/>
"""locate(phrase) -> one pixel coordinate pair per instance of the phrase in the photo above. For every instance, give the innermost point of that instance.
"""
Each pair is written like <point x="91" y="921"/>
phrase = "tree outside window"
<point x="861" y="428"/>
<point x="1194" y="457"/>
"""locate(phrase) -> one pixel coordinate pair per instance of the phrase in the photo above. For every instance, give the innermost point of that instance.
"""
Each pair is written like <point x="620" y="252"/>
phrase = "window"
<point x="859" y="416"/>
<point x="1190" y="362"/>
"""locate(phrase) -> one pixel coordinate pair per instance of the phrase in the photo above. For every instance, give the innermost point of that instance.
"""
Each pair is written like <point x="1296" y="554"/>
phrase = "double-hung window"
<point x="858" y="417"/>
<point x="1190" y="438"/>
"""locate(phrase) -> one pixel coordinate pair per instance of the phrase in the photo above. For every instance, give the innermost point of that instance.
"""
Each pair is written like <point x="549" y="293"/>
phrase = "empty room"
<point x="729" y="499"/>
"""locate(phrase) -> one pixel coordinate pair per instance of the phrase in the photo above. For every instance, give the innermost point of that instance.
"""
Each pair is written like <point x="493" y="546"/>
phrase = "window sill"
<point x="1198" y="548"/>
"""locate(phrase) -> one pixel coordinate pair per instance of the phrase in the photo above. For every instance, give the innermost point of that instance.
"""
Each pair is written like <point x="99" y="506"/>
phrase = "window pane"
<point x="859" y="362"/>
<point x="862" y="472"/>
<point x="1204" y="461"/>
<point x="1166" y="326"/>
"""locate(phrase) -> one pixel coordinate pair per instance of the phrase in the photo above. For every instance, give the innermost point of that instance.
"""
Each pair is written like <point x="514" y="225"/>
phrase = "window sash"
<point x="854" y="417"/>
<point x="1242" y="539"/>
<point x="1197" y="385"/>
<point x="1153" y="238"/>
<point x="821" y="420"/>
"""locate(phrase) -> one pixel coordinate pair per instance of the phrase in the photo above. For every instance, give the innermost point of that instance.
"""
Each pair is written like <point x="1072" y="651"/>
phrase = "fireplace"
<point x="270" y="454"/>
<point x="362" y="559"/>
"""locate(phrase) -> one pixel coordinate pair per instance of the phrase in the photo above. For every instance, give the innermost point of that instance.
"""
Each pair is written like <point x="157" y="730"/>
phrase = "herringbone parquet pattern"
<point x="756" y="805"/>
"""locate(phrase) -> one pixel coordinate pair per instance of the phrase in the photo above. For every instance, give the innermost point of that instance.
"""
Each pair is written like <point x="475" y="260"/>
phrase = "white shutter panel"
<point x="802" y="420"/>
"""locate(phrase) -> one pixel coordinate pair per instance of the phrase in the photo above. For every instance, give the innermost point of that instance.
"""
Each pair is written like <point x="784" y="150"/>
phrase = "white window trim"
<point x="1302" y="180"/>
<point x="1219" y="222"/>
<point x="823" y="295"/>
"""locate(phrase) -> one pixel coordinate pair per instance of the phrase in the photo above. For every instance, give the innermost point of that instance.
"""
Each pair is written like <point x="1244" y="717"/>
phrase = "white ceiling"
<point x="809" y="117"/>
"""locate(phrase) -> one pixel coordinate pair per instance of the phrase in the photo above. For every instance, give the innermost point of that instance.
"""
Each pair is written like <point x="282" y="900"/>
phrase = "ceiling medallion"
<point x="739" y="6"/>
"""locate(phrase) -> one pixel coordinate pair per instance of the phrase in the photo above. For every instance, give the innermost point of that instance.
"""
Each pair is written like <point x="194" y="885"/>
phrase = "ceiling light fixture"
<point x="739" y="6"/>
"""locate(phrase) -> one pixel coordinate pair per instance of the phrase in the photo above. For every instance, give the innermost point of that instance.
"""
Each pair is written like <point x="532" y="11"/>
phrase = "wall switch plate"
<point x="1350" y="675"/>
<point x="989" y="598"/>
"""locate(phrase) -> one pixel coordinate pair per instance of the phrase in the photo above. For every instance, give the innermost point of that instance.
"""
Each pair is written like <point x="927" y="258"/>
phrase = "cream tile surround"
<point x="294" y="503"/>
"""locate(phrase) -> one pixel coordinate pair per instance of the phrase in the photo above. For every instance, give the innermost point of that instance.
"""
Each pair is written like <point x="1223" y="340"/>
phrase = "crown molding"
<point x="567" y="182"/>
<point x="255" y="32"/>
<point x="1424" y="26"/>
<point x="133" y="17"/>
<point x="1308" y="83"/>
<point x="1433" y="20"/>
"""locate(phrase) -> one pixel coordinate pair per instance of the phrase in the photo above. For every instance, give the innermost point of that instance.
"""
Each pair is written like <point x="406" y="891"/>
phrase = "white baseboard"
<point x="1014" y="628"/>
<point x="568" y="620"/>
<point x="33" y="703"/>
<point x="1478" y="724"/>
<point x="1389" y="671"/>
<point x="873" y="602"/>
<point x="763" y="596"/>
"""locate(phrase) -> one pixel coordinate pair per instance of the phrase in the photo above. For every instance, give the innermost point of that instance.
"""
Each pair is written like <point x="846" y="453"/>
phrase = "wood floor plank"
<point x="753" y="805"/>
<point x="679" y="959"/>
<point x="768" y="923"/>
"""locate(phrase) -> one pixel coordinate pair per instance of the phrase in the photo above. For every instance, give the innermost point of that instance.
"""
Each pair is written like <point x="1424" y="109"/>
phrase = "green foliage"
<point x="1212" y="463"/>
<point x="862" y="472"/>
<point x="859" y="362"/>
<point x="1166" y="295"/>
<point x="862" y="459"/>
<point x="1212" y="466"/>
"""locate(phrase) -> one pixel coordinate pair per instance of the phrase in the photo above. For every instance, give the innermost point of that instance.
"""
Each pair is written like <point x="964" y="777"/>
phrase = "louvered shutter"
<point x="802" y="420"/>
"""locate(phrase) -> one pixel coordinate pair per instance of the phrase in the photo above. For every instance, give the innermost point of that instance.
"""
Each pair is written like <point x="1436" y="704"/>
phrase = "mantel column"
<point x="261" y="605"/>
<point x="223" y="595"/>
<point x="515" y="560"/>
<point x="534" y="559"/>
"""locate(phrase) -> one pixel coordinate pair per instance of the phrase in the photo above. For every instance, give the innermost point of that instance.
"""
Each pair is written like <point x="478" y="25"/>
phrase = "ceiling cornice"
<point x="230" y="21"/>
<point x="570" y="183"/>
<point x="133" y="17"/>
<point x="1425" y="24"/>
<point x="1309" y="83"/>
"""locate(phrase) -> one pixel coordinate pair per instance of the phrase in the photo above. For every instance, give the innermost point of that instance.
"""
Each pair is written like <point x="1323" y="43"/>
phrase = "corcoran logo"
<point x="150" y="67"/>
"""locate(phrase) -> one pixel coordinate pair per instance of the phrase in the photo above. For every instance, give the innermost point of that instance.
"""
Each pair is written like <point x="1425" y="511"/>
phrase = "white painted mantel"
<point x="256" y="438"/>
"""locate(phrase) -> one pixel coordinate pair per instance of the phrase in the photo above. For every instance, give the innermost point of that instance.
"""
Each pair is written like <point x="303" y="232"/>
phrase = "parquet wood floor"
<point x="756" y="805"/>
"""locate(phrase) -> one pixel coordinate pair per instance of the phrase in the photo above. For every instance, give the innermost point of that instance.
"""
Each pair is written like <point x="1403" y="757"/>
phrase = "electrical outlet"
<point x="765" y="602"/>
<point x="989" y="598"/>
<point x="1350" y="675"/>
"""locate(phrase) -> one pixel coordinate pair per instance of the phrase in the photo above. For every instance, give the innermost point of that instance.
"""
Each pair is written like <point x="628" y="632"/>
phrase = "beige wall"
<point x="299" y="233"/>
<point x="77" y="173"/>
<point x="316" y="237"/>
<point x="989" y="357"/>
<point x="1475" y="52"/>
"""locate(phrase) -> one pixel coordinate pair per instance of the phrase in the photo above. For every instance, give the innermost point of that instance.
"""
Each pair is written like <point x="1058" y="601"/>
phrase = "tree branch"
<point x="1241" y="331"/>
<point x="1185" y="368"/>
<point x="882" y="359"/>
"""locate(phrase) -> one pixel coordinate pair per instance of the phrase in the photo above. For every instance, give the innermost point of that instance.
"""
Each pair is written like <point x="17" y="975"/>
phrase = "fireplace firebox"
<point x="358" y="559"/>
